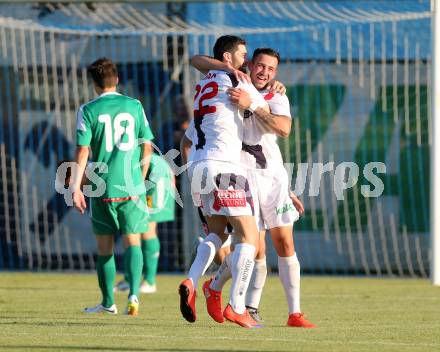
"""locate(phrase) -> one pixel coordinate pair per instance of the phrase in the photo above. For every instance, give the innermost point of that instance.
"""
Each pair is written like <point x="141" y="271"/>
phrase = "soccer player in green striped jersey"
<point x="115" y="129"/>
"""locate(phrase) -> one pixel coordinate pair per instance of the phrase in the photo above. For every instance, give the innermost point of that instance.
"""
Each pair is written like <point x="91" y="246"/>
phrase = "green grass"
<point x="42" y="312"/>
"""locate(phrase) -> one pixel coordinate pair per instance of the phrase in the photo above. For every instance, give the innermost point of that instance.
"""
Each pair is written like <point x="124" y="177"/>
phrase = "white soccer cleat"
<point x="147" y="288"/>
<point x="101" y="309"/>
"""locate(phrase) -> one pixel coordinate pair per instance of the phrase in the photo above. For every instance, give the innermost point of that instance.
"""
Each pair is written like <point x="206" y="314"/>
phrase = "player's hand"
<point x="239" y="97"/>
<point x="276" y="87"/>
<point x="296" y="203"/>
<point x="79" y="201"/>
<point x="239" y="75"/>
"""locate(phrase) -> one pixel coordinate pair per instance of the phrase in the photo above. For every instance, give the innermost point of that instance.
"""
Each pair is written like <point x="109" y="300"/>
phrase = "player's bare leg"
<point x="289" y="272"/>
<point x="221" y="254"/>
<point x="106" y="270"/>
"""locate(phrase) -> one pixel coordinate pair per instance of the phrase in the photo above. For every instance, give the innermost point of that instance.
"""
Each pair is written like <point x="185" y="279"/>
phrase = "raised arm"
<point x="204" y="63"/>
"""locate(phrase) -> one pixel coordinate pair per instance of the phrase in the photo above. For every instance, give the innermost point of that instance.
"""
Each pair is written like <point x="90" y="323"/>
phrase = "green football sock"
<point x="134" y="268"/>
<point x="106" y="269"/>
<point x="150" y="251"/>
<point x="125" y="267"/>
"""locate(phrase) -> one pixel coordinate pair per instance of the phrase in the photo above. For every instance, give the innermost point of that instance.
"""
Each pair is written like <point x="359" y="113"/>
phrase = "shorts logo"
<point x="229" y="199"/>
<point x="285" y="208"/>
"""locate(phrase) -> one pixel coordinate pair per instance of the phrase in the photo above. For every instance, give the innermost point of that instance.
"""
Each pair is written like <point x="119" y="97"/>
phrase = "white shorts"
<point x="276" y="207"/>
<point x="222" y="188"/>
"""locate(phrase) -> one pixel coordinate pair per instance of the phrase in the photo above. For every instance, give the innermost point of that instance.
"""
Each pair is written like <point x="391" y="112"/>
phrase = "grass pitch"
<point x="42" y="312"/>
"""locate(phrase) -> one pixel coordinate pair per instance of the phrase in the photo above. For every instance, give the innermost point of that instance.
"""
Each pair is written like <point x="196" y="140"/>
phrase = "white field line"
<point x="252" y="338"/>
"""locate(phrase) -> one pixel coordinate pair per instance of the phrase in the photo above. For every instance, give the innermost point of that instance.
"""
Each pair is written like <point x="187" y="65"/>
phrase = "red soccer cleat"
<point x="244" y="320"/>
<point x="213" y="302"/>
<point x="187" y="300"/>
<point x="297" y="320"/>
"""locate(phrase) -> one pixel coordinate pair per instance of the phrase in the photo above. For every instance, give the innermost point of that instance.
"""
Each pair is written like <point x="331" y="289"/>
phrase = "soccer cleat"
<point x="147" y="288"/>
<point x="132" y="306"/>
<point x="298" y="320"/>
<point x="213" y="302"/>
<point x="121" y="286"/>
<point x="187" y="300"/>
<point x="244" y="320"/>
<point x="255" y="314"/>
<point x="101" y="309"/>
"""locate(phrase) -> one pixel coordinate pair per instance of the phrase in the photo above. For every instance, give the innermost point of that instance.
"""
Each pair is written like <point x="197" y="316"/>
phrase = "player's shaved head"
<point x="226" y="43"/>
<point x="104" y="73"/>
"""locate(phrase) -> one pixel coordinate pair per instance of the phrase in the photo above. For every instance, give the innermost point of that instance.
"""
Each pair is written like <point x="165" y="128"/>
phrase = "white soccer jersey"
<point x="263" y="143"/>
<point x="261" y="151"/>
<point x="217" y="127"/>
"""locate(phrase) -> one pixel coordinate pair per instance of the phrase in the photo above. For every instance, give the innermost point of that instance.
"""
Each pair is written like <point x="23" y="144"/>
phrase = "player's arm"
<point x="204" y="63"/>
<point x="146" y="136"/>
<point x="81" y="157"/>
<point x="278" y="124"/>
<point x="296" y="203"/>
<point x="147" y="150"/>
<point x="68" y="177"/>
<point x="275" y="86"/>
<point x="185" y="146"/>
<point x="83" y="139"/>
<point x="187" y="141"/>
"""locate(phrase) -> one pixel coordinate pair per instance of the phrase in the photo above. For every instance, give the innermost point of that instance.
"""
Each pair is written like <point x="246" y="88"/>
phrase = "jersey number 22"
<point x="200" y="113"/>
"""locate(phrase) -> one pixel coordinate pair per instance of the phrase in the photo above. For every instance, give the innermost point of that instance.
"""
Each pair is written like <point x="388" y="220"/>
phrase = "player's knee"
<point x="131" y="240"/>
<point x="285" y="248"/>
<point x="261" y="254"/>
<point x="218" y="258"/>
<point x="105" y="245"/>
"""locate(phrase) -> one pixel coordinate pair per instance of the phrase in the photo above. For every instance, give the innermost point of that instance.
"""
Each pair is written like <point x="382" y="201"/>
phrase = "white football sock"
<point x="289" y="272"/>
<point x="242" y="264"/>
<point x="205" y="254"/>
<point x="223" y="274"/>
<point x="255" y="289"/>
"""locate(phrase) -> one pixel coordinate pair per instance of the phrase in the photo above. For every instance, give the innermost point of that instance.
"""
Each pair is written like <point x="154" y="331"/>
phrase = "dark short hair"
<point x="266" y="51"/>
<point x="103" y="72"/>
<point x="226" y="43"/>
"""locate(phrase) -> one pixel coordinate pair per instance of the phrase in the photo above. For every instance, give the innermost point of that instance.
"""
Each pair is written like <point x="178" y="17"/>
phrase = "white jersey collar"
<point x="108" y="93"/>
